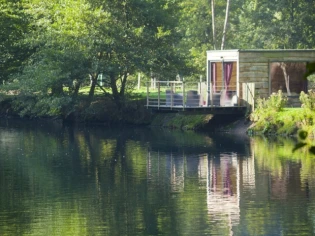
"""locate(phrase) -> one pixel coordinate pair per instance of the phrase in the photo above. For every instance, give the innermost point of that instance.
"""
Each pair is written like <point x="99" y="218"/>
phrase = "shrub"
<point x="36" y="106"/>
<point x="267" y="107"/>
<point x="308" y="100"/>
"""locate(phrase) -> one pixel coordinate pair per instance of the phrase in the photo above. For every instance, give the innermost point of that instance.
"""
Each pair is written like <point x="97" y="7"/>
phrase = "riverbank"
<point x="104" y="112"/>
<point x="237" y="125"/>
<point x="286" y="122"/>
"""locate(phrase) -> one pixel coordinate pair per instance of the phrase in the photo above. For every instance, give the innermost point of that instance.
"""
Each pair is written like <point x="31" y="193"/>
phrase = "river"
<point x="76" y="180"/>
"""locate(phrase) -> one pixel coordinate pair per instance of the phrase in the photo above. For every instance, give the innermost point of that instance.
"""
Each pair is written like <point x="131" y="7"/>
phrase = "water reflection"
<point x="63" y="180"/>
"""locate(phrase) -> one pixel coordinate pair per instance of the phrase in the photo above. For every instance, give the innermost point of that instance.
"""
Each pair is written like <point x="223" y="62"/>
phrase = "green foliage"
<point x="286" y="122"/>
<point x="310" y="69"/>
<point x="271" y="152"/>
<point x="271" y="117"/>
<point x="48" y="45"/>
<point x="179" y="121"/>
<point x="308" y="100"/>
<point x="274" y="24"/>
<point x="266" y="107"/>
<point x="13" y="26"/>
<point x="75" y="41"/>
<point x="35" y="106"/>
<point x="304" y="142"/>
<point x="308" y="103"/>
<point x="195" y="25"/>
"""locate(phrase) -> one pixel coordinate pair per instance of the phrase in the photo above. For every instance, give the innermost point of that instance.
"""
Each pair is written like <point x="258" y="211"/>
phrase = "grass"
<point x="137" y="93"/>
<point x="286" y="122"/>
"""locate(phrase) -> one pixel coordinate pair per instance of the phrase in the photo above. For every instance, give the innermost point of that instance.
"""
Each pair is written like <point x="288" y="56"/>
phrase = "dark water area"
<point x="76" y="180"/>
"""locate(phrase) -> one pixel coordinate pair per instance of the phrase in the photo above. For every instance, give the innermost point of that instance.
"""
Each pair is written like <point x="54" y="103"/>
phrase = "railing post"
<point x="183" y="94"/>
<point x="238" y="93"/>
<point x="247" y="93"/>
<point x="159" y="95"/>
<point x="147" y="95"/>
<point x="172" y="85"/>
<point x="211" y="95"/>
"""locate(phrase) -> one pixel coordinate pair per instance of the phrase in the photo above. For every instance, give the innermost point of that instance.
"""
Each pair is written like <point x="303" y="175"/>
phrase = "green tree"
<point x="13" y="24"/>
<point x="59" y="57"/>
<point x="143" y="39"/>
<point x="202" y="23"/>
<point x="76" y="40"/>
<point x="195" y="25"/>
<point x="274" y="24"/>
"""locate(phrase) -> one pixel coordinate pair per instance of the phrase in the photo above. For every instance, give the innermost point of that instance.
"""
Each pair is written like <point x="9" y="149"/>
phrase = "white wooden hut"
<point x="268" y="70"/>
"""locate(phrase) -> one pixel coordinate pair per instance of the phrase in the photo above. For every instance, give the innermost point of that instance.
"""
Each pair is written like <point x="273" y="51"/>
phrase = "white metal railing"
<point x="181" y="94"/>
<point x="221" y="96"/>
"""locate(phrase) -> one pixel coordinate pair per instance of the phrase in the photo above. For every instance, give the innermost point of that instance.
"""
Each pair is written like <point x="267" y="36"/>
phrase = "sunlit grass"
<point x="286" y="122"/>
<point x="135" y="93"/>
<point x="98" y="91"/>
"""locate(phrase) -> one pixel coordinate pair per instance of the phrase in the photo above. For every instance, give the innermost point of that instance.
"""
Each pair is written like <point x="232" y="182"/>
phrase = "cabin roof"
<point x="259" y="55"/>
<point x="262" y="50"/>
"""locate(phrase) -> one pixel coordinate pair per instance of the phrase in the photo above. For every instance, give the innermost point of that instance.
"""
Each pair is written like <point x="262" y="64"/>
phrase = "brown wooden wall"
<point x="254" y="66"/>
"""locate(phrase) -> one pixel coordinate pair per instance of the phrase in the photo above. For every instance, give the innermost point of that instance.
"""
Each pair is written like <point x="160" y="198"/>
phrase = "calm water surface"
<point x="63" y="180"/>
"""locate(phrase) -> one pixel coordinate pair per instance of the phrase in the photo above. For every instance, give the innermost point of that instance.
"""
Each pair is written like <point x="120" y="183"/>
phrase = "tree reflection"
<point x="93" y="181"/>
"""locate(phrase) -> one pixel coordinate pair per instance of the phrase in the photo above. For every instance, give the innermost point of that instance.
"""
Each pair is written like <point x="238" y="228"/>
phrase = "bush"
<point x="308" y="100"/>
<point x="266" y="107"/>
<point x="36" y="106"/>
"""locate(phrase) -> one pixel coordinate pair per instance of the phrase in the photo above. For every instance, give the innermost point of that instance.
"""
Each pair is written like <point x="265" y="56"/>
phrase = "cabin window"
<point x="288" y="77"/>
<point x="223" y="76"/>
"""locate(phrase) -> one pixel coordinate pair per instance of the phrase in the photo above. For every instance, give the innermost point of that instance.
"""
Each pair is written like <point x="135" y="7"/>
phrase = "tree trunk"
<point x="93" y="79"/>
<point x="213" y="25"/>
<point x="76" y="86"/>
<point x="123" y="85"/>
<point x="283" y="66"/>
<point x="256" y="4"/>
<point x="114" y="88"/>
<point x="57" y="89"/>
<point x="225" y="23"/>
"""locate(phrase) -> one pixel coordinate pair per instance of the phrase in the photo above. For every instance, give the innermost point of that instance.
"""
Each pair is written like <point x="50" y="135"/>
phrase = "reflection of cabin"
<point x="222" y="178"/>
<point x="269" y="70"/>
<point x="223" y="187"/>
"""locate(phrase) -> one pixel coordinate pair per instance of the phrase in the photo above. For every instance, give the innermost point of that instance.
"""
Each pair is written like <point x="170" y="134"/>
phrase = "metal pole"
<point x="172" y="85"/>
<point x="147" y="95"/>
<point x="139" y="80"/>
<point x="183" y="94"/>
<point x="158" y="94"/>
<point x="208" y="89"/>
<point x="223" y="75"/>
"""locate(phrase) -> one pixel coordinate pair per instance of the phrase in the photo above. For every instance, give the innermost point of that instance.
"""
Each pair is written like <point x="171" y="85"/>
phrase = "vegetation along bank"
<point x="272" y="117"/>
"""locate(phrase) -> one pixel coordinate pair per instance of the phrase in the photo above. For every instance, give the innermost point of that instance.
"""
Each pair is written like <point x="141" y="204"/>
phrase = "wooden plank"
<point x="254" y="74"/>
<point x="253" y="70"/>
<point x="253" y="79"/>
<point x="253" y="66"/>
<point x="248" y="94"/>
<point x="254" y="59"/>
<point x="276" y="56"/>
<point x="302" y="54"/>
<point x="230" y="110"/>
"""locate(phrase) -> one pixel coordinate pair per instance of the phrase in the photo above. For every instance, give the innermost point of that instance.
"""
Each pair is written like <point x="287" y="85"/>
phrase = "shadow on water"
<point x="159" y="139"/>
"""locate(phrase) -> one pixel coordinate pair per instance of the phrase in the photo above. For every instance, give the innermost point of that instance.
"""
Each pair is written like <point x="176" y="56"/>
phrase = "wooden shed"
<point x="268" y="70"/>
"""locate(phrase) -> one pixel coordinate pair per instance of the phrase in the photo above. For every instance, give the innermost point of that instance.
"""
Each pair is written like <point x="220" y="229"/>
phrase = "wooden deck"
<point x="228" y="110"/>
<point x="178" y="96"/>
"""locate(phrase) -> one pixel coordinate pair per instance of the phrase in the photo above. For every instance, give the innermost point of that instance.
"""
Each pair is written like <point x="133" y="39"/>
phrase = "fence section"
<point x="179" y="94"/>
